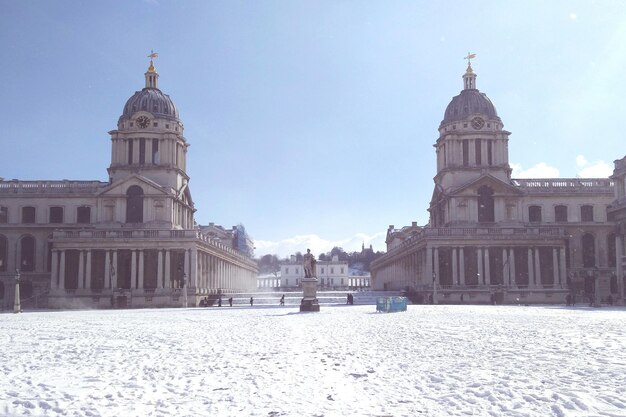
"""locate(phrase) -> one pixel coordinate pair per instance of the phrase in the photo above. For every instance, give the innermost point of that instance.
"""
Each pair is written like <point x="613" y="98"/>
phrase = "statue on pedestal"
<point x="309" y="264"/>
<point x="309" y="284"/>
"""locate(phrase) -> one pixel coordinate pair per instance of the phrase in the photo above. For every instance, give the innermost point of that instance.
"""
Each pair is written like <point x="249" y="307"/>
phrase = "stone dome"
<point x="469" y="102"/>
<point x="151" y="100"/>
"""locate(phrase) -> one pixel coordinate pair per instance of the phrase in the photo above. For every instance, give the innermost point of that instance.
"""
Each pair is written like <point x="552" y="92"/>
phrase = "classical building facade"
<point x="331" y="274"/>
<point x="128" y="242"/>
<point x="492" y="238"/>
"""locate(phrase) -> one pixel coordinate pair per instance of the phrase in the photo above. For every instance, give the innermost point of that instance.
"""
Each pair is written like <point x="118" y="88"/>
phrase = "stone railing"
<point x="51" y="187"/>
<point x="565" y="184"/>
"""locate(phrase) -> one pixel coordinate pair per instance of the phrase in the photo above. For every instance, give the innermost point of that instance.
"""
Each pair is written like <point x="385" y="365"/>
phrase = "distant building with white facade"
<point x="331" y="274"/>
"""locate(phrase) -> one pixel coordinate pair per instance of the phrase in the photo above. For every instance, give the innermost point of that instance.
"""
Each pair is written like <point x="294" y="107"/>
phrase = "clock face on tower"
<point x="143" y="121"/>
<point x="478" y="123"/>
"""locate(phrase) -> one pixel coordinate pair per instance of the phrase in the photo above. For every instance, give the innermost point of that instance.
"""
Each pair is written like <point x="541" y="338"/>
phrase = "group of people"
<point x="350" y="299"/>
<point x="205" y="302"/>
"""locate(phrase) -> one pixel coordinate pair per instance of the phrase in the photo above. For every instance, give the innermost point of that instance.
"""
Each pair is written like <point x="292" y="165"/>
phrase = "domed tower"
<point x="149" y="138"/>
<point x="472" y="149"/>
<point x="472" y="140"/>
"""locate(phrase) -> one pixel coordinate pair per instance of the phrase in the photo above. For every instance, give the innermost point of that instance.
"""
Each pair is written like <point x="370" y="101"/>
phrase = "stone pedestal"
<point x="309" y="295"/>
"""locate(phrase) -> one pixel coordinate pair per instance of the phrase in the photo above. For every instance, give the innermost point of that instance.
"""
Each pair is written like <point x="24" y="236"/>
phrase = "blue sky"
<point x="311" y="122"/>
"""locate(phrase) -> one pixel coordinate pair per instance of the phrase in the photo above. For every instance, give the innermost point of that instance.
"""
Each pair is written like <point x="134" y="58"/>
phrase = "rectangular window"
<point x="478" y="149"/>
<point x="28" y="215"/>
<point x="83" y="215"/>
<point x="286" y="282"/>
<point x="286" y="270"/>
<point x="297" y="282"/>
<point x="489" y="153"/>
<point x="297" y="271"/>
<point x="586" y="213"/>
<point x="130" y="152"/>
<point x="4" y="215"/>
<point x="560" y="213"/>
<point x="142" y="151"/>
<point x="534" y="214"/>
<point x="465" y="153"/>
<point x="342" y="272"/>
<point x="322" y="270"/>
<point x="155" y="151"/>
<point x="332" y="270"/>
<point x="56" y="215"/>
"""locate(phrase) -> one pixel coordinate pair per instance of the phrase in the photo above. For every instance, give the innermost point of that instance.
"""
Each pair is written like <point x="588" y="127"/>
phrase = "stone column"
<point x="556" y="276"/>
<point x="187" y="267"/>
<point x="455" y="268"/>
<point x="88" y="270"/>
<point x="140" y="277"/>
<point x="512" y="266"/>
<point x="160" y="283"/>
<point x="462" y="266"/>
<point x="436" y="265"/>
<point x="619" y="254"/>
<point x="167" y="277"/>
<point x="81" y="269"/>
<point x="193" y="270"/>
<point x="506" y="268"/>
<point x="133" y="269"/>
<point x="537" y="269"/>
<point x="115" y="272"/>
<point x="107" y="270"/>
<point x="479" y="262"/>
<point x="531" y="269"/>
<point x="54" y="279"/>
<point x="562" y="267"/>
<point x="62" y="271"/>
<point x="487" y="267"/>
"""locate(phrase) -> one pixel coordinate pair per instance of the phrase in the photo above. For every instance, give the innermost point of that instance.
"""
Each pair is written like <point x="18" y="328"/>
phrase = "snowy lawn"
<point x="343" y="361"/>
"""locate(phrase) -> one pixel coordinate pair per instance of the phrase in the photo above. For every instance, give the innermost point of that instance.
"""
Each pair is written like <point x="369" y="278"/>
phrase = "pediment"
<point x="121" y="187"/>
<point x="498" y="186"/>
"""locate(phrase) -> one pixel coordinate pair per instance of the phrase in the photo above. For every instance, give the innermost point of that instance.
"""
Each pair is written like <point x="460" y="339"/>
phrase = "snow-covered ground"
<point x="343" y="361"/>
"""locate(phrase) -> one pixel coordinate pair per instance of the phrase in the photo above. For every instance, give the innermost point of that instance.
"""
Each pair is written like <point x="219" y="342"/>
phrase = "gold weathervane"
<point x="469" y="57"/>
<point x="152" y="56"/>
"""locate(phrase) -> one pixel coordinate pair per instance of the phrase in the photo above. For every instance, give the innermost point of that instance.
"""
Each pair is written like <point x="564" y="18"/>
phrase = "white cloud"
<point x="541" y="170"/>
<point x="597" y="169"/>
<point x="301" y="243"/>
<point x="581" y="161"/>
<point x="573" y="16"/>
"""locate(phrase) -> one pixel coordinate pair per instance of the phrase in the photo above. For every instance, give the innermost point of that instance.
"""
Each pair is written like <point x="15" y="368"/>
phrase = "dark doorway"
<point x="134" y="204"/>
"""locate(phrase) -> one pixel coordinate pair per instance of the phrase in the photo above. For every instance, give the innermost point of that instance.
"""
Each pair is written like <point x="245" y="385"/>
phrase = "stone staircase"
<point x="293" y="298"/>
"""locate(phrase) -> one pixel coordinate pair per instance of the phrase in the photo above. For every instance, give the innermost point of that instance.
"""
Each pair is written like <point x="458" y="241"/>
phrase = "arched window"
<point x="534" y="214"/>
<point x="4" y="215"/>
<point x="560" y="213"/>
<point x="485" y="205"/>
<point x="3" y="253"/>
<point x="134" y="204"/>
<point x="589" y="251"/>
<point x="27" y="254"/>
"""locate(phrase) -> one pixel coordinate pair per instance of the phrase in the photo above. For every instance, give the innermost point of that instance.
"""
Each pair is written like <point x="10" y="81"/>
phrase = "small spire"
<point x="152" y="76"/>
<point x="469" y="78"/>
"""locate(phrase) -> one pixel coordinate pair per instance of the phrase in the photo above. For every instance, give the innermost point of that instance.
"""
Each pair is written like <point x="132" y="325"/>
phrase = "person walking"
<point x="251" y="301"/>
<point x="282" y="300"/>
<point x="230" y="301"/>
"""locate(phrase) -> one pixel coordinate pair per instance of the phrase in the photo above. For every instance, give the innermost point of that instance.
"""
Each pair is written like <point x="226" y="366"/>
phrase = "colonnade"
<point x="202" y="270"/>
<point x="426" y="265"/>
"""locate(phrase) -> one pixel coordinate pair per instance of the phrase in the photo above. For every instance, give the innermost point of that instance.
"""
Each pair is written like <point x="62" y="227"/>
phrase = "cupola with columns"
<point x="149" y="137"/>
<point x="471" y="140"/>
